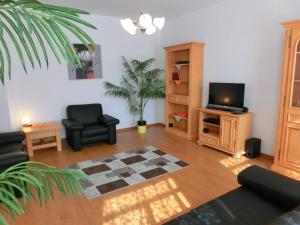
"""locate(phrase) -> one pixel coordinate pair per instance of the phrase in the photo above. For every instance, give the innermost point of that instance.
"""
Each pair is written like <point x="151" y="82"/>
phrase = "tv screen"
<point x="227" y="94"/>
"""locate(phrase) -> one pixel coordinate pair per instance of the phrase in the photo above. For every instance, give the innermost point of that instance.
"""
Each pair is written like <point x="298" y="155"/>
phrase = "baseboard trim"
<point x="267" y="156"/>
<point x="122" y="130"/>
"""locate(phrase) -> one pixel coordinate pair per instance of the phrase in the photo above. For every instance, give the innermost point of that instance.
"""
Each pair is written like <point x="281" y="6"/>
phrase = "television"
<point x="226" y="96"/>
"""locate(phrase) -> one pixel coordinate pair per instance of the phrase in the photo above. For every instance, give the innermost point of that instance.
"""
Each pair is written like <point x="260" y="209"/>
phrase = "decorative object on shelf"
<point x="205" y="130"/>
<point x="36" y="29"/>
<point x="140" y="84"/>
<point x="175" y="77"/>
<point x="182" y="114"/>
<point x="26" y="122"/>
<point x="145" y="24"/>
<point x="91" y="63"/>
<point x="180" y="63"/>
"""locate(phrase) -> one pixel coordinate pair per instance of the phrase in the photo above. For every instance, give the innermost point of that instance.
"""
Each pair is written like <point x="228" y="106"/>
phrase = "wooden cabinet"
<point x="227" y="134"/>
<point x="287" y="156"/>
<point x="224" y="131"/>
<point x="184" y="66"/>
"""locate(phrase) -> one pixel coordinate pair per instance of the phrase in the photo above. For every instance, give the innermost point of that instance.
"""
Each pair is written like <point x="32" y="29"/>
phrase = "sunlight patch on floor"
<point x="130" y="199"/>
<point x="231" y="162"/>
<point x="156" y="202"/>
<point x="133" y="217"/>
<point x="165" y="208"/>
<point x="236" y="165"/>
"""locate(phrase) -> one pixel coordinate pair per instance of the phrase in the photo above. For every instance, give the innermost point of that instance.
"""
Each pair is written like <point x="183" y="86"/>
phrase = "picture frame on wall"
<point x="91" y="63"/>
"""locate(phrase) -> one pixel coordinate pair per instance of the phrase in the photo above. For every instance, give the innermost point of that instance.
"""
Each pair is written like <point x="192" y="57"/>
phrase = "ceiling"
<point x="132" y="8"/>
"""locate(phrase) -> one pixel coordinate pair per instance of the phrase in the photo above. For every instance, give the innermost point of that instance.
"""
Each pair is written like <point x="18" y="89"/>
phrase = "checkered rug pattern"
<point x="124" y="169"/>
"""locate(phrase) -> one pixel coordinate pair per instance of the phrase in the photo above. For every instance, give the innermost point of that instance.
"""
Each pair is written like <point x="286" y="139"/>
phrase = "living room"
<point x="247" y="46"/>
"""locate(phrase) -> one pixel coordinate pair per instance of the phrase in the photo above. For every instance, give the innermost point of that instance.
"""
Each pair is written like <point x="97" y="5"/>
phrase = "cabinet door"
<point x="294" y="72"/>
<point x="290" y="136"/>
<point x="291" y="154"/>
<point x="227" y="133"/>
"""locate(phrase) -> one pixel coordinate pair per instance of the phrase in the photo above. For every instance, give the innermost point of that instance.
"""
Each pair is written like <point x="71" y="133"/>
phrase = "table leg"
<point x="58" y="141"/>
<point x="29" y="145"/>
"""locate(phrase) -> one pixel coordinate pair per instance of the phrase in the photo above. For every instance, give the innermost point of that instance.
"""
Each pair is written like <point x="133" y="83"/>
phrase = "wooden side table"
<point x="40" y="136"/>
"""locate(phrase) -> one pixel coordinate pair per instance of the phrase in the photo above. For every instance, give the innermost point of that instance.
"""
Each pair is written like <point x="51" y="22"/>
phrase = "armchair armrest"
<point x="108" y="120"/>
<point x="11" y="137"/>
<point x="72" y="124"/>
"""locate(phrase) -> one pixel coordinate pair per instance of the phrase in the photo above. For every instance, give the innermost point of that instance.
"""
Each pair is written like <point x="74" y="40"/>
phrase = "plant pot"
<point x="142" y="127"/>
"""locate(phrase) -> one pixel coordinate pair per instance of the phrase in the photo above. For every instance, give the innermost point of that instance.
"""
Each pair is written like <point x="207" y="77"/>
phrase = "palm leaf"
<point x="138" y="86"/>
<point x="129" y="71"/>
<point x="116" y="91"/>
<point x="28" y="20"/>
<point x="38" y="177"/>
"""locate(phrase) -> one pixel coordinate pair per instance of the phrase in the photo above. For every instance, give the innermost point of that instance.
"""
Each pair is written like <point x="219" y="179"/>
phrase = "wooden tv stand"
<point x="228" y="136"/>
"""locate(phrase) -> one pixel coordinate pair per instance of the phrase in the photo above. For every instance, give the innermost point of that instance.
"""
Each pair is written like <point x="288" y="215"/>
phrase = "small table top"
<point x="40" y="127"/>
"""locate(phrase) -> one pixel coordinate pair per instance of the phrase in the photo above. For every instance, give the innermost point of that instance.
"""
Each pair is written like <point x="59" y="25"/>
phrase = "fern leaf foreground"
<point x="33" y="180"/>
<point x="30" y="26"/>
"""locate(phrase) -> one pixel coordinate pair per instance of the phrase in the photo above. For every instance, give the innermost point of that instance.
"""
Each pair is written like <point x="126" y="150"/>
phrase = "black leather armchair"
<point x="86" y="124"/>
<point x="11" y="149"/>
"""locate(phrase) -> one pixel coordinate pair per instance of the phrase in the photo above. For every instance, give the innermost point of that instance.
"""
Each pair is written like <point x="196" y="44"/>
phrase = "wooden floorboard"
<point x="211" y="173"/>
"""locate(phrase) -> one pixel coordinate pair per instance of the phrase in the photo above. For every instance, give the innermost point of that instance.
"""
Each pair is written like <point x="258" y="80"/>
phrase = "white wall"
<point x="244" y="43"/>
<point x="44" y="94"/>
<point x="4" y="111"/>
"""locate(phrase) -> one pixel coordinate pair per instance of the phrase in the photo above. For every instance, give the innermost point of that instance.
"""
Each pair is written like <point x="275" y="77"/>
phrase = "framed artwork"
<point x="91" y="63"/>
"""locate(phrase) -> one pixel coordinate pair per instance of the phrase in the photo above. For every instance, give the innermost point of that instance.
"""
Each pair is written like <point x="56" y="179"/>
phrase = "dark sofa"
<point x="86" y="124"/>
<point x="264" y="198"/>
<point x="11" y="149"/>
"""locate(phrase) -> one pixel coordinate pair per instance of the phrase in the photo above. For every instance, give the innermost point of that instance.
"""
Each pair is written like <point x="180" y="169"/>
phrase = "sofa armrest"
<point x="281" y="190"/>
<point x="11" y="137"/>
<point x="72" y="124"/>
<point x="108" y="120"/>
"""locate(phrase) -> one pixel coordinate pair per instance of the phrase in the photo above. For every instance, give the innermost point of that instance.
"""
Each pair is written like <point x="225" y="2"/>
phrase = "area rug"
<point x="124" y="169"/>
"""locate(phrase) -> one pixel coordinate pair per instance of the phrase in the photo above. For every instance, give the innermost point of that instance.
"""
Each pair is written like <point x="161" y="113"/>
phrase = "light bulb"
<point x="128" y="25"/>
<point x="159" y="22"/>
<point x="150" y="29"/>
<point x="26" y="121"/>
<point x="145" y="20"/>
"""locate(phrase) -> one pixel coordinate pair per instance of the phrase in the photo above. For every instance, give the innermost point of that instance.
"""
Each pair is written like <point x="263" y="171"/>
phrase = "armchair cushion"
<point x="72" y="124"/>
<point x="94" y="130"/>
<point x="86" y="114"/>
<point x="108" y="120"/>
<point x="11" y="137"/>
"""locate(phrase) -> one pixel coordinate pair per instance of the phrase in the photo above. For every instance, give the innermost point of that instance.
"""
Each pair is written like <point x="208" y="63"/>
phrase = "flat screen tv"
<point x="226" y="96"/>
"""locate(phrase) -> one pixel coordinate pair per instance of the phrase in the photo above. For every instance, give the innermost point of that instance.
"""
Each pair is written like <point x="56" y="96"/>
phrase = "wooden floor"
<point x="210" y="174"/>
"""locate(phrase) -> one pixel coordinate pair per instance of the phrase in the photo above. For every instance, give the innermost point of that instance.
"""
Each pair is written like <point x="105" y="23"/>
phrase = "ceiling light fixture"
<point x="145" y="24"/>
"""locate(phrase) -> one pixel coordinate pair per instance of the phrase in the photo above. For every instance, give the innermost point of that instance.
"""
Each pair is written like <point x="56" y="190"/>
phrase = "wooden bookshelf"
<point x="186" y="95"/>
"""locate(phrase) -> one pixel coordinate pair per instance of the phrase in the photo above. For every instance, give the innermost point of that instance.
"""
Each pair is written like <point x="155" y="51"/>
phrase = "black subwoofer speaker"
<point x="252" y="148"/>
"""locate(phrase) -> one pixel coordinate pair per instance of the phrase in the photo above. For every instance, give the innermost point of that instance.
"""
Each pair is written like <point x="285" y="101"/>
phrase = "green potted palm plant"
<point x="140" y="84"/>
<point x="33" y="30"/>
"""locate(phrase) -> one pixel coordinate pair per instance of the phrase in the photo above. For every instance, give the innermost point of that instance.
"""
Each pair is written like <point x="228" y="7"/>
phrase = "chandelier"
<point x="145" y="24"/>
